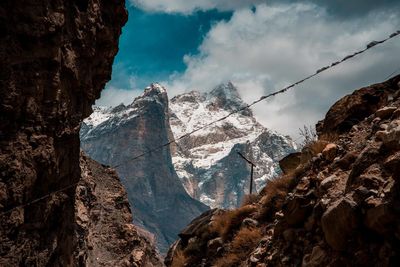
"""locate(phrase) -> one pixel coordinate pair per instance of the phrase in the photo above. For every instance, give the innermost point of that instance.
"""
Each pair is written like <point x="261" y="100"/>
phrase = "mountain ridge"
<point x="200" y="157"/>
<point x="159" y="202"/>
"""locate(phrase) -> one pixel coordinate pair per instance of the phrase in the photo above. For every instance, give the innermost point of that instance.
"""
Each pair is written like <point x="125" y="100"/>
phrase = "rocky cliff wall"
<point x="105" y="233"/>
<point x="56" y="57"/>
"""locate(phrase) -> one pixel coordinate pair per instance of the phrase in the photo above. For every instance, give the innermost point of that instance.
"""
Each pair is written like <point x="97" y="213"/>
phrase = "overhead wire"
<point x="281" y="91"/>
<point x="262" y="98"/>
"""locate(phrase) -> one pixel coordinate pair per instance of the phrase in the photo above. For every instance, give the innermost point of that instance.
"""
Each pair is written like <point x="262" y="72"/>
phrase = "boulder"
<point x="214" y="244"/>
<point x="330" y="151"/>
<point x="328" y="182"/>
<point x="346" y="162"/>
<point x="396" y="114"/>
<point x="354" y="108"/>
<point x="249" y="222"/>
<point x="338" y="222"/>
<point x="392" y="164"/>
<point x="385" y="112"/>
<point x="317" y="258"/>
<point x="297" y="209"/>
<point x="391" y="137"/>
<point x="366" y="158"/>
<point x="290" y="162"/>
<point x="380" y="219"/>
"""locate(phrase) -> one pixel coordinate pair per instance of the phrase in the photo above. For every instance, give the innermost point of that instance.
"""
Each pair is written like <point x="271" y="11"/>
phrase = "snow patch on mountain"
<point x="206" y="161"/>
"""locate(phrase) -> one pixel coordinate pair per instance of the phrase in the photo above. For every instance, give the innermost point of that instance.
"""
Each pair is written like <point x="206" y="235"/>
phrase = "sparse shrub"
<point x="312" y="149"/>
<point x="245" y="240"/>
<point x="275" y="192"/>
<point x="312" y="145"/>
<point x="229" y="260"/>
<point x="309" y="135"/>
<point x="243" y="243"/>
<point x="228" y="222"/>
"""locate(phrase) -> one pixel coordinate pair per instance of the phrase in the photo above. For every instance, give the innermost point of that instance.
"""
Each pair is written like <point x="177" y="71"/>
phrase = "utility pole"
<point x="252" y="170"/>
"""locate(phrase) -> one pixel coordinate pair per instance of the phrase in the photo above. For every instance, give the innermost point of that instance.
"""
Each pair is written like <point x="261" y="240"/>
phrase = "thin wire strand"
<point x="391" y="74"/>
<point x="369" y="46"/>
<point x="319" y="71"/>
<point x="39" y="199"/>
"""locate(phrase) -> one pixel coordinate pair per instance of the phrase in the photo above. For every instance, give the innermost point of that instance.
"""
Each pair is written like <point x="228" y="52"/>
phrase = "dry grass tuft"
<point x="246" y="239"/>
<point x="250" y="199"/>
<point x="275" y="191"/>
<point x="274" y="194"/>
<point x="228" y="260"/>
<point x="228" y="222"/>
<point x="312" y="149"/>
<point x="179" y="259"/>
<point x="242" y="245"/>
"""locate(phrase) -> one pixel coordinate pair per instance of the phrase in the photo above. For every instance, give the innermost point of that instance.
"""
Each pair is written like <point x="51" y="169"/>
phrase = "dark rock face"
<point x="338" y="222"/>
<point x="55" y="58"/>
<point x="352" y="109"/>
<point x="160" y="203"/>
<point x="340" y="208"/>
<point x="105" y="233"/>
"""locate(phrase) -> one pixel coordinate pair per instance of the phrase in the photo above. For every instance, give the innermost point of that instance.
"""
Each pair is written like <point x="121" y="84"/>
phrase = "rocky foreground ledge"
<point x="337" y="204"/>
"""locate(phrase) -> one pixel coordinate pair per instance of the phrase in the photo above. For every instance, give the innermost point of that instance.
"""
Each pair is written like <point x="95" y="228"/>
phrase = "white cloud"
<point x="114" y="96"/>
<point x="267" y="49"/>
<point x="189" y="6"/>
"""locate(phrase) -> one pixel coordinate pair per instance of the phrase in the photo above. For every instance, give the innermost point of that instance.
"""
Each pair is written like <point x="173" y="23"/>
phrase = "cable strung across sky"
<point x="319" y="71"/>
<point x="291" y="86"/>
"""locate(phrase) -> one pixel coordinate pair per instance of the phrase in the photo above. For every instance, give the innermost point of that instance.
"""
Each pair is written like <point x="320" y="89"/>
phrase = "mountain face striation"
<point x="116" y="136"/>
<point x="56" y="57"/>
<point x="337" y="205"/>
<point x="207" y="161"/>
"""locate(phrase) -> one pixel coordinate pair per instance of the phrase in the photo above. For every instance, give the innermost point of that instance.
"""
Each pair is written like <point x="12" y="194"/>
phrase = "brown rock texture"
<point x="56" y="57"/>
<point x="337" y="209"/>
<point x="105" y="233"/>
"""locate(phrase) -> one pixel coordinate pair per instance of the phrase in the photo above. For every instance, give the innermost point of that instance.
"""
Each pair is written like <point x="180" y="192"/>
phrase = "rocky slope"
<point x="115" y="136"/>
<point x="56" y="57"/>
<point x="105" y="233"/>
<point x="337" y="204"/>
<point x="207" y="161"/>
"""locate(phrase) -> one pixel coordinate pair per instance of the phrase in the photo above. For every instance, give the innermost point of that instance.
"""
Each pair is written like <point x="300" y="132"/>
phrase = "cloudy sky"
<point x="261" y="46"/>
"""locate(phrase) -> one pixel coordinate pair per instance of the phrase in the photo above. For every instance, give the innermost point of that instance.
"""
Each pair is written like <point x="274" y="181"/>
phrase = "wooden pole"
<point x="251" y="179"/>
<point x="252" y="171"/>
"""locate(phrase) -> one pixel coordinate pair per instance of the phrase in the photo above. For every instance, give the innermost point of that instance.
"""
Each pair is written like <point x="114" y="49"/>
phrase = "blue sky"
<point x="260" y="46"/>
<point x="153" y="45"/>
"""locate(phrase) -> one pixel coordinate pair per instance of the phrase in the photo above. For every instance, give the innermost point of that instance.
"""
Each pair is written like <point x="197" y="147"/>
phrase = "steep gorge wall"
<point x="56" y="57"/>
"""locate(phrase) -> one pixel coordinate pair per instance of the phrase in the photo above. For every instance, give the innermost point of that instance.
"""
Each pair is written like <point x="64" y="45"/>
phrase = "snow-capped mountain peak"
<point x="206" y="162"/>
<point x="226" y="96"/>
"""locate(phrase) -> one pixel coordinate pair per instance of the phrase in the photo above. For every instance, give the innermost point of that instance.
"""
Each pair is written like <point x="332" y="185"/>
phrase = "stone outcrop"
<point x="105" y="233"/>
<point x="339" y="208"/>
<point x="117" y="137"/>
<point x="55" y="57"/>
